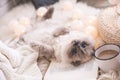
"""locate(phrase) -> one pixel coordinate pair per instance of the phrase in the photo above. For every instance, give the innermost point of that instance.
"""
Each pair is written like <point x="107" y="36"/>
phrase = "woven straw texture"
<point x="109" y="25"/>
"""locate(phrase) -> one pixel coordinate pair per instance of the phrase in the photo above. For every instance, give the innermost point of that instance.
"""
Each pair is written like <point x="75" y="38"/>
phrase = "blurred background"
<point x="6" y="5"/>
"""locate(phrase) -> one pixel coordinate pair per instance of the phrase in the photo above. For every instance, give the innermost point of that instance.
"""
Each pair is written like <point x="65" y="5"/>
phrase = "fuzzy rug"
<point x="75" y="16"/>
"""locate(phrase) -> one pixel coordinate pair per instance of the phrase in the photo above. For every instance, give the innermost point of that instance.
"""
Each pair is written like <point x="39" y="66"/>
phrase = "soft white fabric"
<point x="64" y="18"/>
<point x="28" y="70"/>
<point x="87" y="71"/>
<point x="20" y="64"/>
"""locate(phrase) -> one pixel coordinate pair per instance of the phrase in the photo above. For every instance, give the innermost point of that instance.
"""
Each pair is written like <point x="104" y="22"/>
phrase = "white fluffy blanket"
<point x="18" y="64"/>
<point x="66" y="14"/>
<point x="21" y="64"/>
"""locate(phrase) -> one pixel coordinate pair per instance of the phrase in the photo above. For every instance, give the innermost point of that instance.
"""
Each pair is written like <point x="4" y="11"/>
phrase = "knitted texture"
<point x="109" y="26"/>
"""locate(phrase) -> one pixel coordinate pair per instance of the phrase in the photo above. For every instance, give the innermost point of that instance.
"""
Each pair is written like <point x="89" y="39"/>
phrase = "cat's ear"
<point x="48" y="14"/>
<point x="60" y="31"/>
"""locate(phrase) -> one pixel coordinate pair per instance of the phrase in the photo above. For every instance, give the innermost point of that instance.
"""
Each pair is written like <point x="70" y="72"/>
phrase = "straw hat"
<point x="109" y="24"/>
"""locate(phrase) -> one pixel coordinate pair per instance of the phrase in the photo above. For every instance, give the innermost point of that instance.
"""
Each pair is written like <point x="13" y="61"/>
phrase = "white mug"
<point x="110" y="63"/>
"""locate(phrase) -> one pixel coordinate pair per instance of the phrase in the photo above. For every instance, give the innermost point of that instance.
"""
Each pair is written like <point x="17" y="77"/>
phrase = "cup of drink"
<point x="108" y="57"/>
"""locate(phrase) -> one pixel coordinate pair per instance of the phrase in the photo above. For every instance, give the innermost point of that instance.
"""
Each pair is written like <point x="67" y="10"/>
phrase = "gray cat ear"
<point x="60" y="31"/>
<point x="48" y="14"/>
